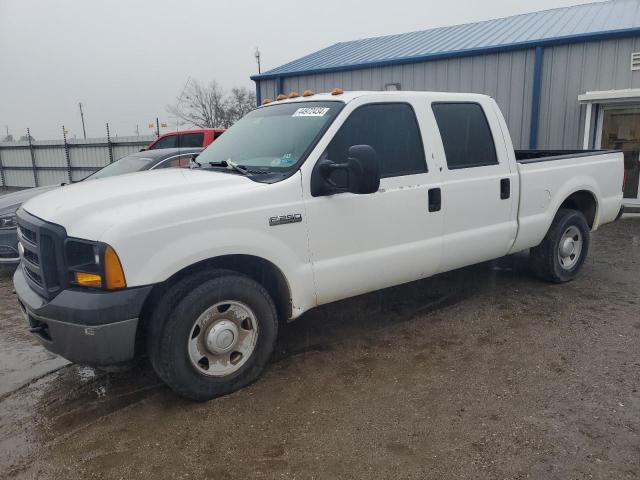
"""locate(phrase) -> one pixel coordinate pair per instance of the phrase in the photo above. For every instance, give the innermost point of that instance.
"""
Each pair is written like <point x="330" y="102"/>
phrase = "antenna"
<point x="257" y="55"/>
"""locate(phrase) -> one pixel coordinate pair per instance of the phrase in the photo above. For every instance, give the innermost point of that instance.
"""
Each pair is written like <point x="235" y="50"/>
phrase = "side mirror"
<point x="361" y="173"/>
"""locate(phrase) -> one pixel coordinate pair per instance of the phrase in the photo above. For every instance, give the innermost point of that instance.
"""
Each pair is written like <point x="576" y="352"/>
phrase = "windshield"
<point x="122" y="166"/>
<point x="273" y="138"/>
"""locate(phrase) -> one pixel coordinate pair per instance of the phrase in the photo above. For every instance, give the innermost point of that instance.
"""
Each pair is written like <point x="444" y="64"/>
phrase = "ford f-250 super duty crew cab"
<point x="304" y="201"/>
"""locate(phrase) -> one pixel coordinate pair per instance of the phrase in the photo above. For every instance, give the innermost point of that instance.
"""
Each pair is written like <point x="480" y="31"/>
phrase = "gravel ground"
<point x="480" y="373"/>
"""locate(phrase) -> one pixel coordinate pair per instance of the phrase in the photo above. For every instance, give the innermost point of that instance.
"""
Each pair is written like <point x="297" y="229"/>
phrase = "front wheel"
<point x="564" y="249"/>
<point x="215" y="337"/>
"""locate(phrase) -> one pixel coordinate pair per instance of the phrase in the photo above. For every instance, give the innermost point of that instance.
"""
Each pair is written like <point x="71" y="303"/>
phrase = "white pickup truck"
<point x="303" y="202"/>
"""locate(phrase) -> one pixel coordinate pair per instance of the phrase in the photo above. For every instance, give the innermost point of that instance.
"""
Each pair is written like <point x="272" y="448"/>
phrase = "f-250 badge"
<point x="284" y="219"/>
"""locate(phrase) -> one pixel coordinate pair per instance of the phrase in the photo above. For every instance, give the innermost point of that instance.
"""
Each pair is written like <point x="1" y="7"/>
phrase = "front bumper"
<point x="9" y="246"/>
<point x="83" y="326"/>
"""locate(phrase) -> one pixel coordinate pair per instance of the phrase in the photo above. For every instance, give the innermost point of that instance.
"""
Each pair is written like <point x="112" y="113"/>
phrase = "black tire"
<point x="173" y="320"/>
<point x="545" y="258"/>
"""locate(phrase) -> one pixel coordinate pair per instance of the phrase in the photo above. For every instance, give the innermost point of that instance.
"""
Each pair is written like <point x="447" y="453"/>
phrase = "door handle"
<point x="505" y="188"/>
<point x="435" y="200"/>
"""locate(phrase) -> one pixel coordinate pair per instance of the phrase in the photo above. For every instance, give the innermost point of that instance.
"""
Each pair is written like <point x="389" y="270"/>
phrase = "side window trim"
<point x="493" y="141"/>
<point x="418" y="129"/>
<point x="168" y="159"/>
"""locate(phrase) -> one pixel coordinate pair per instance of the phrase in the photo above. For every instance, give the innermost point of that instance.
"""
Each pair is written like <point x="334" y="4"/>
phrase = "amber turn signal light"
<point x="88" y="279"/>
<point x="113" y="270"/>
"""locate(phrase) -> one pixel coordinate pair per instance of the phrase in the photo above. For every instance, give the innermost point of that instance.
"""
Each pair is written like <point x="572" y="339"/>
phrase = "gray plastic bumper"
<point x="91" y="327"/>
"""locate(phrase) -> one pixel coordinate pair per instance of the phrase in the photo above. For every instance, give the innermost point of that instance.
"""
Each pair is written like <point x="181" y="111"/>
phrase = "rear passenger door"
<point x="479" y="221"/>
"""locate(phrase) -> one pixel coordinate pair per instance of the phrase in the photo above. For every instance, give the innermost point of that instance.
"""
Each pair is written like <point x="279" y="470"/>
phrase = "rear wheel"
<point x="562" y="253"/>
<point x="213" y="334"/>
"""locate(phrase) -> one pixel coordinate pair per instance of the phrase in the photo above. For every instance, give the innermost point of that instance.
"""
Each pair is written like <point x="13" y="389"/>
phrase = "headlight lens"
<point x="8" y="220"/>
<point x="94" y="265"/>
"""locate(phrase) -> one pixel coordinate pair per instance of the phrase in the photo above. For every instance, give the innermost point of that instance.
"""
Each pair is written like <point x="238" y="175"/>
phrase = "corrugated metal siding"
<point x="507" y="77"/>
<point x="89" y="155"/>
<point x="592" y="18"/>
<point x="19" y="178"/>
<point x="268" y="89"/>
<point x="570" y="70"/>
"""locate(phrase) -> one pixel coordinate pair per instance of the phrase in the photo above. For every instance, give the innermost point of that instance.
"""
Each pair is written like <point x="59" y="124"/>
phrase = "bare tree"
<point x="208" y="106"/>
<point x="240" y="102"/>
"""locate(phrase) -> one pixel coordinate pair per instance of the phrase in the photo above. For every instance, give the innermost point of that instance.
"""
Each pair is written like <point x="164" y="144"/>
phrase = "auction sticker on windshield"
<point x="310" y="112"/>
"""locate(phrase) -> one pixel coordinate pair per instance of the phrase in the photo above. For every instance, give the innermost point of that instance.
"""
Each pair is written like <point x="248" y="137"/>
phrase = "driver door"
<point x="361" y="243"/>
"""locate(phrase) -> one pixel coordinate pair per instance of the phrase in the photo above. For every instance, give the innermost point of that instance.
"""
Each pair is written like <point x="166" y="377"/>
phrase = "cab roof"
<point x="349" y="96"/>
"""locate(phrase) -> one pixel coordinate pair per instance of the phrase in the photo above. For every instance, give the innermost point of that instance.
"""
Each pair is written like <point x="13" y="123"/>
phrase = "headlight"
<point x="94" y="265"/>
<point x="8" y="220"/>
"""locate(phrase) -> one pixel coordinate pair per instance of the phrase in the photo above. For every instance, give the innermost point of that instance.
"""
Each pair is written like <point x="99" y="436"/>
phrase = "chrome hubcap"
<point x="570" y="248"/>
<point x="223" y="338"/>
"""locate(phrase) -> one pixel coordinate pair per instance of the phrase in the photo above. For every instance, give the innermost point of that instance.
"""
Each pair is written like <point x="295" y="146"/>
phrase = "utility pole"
<point x="257" y="55"/>
<point x="82" y="118"/>
<point x="157" y="127"/>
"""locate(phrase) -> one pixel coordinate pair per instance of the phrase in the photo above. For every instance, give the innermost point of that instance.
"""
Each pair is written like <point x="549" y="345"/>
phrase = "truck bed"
<point x="533" y="156"/>
<point x="548" y="177"/>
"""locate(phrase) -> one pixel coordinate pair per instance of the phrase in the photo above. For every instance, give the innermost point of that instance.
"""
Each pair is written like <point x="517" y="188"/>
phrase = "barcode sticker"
<point x="310" y="112"/>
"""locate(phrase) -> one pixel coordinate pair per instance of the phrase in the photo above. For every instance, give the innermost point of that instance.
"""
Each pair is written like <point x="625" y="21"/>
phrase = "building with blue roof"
<point x="565" y="78"/>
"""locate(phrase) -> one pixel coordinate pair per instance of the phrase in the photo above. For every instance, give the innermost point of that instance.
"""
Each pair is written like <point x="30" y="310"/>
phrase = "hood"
<point x="88" y="209"/>
<point x="11" y="201"/>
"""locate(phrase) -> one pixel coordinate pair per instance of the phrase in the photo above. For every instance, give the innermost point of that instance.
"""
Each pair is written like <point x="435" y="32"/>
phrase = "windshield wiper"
<point x="240" y="168"/>
<point x="231" y="166"/>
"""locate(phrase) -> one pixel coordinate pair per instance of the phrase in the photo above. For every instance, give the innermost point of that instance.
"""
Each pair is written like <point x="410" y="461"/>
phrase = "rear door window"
<point x="190" y="140"/>
<point x="466" y="135"/>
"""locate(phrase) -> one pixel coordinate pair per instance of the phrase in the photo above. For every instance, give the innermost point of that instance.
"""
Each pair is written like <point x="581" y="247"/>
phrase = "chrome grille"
<point x="33" y="276"/>
<point x="28" y="235"/>
<point x="42" y="259"/>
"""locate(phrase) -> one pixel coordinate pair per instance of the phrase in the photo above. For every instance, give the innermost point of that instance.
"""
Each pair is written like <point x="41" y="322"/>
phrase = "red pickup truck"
<point x="201" y="137"/>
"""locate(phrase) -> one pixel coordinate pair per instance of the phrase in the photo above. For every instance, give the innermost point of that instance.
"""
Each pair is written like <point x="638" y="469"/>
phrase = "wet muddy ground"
<point x="480" y="373"/>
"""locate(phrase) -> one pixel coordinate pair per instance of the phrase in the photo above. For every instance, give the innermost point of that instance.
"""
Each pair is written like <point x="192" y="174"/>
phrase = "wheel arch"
<point x="584" y="201"/>
<point x="257" y="268"/>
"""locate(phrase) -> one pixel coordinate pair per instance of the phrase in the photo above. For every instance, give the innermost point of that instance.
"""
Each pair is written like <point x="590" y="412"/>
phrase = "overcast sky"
<point x="127" y="59"/>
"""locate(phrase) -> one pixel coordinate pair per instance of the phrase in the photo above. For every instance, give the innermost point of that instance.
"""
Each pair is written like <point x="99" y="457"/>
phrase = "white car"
<point x="303" y="202"/>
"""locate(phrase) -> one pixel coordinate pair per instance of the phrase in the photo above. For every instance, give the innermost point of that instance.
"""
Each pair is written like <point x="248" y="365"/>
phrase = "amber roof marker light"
<point x="337" y="91"/>
<point x="282" y="96"/>
<point x="308" y="93"/>
<point x="294" y="94"/>
<point x="266" y="101"/>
